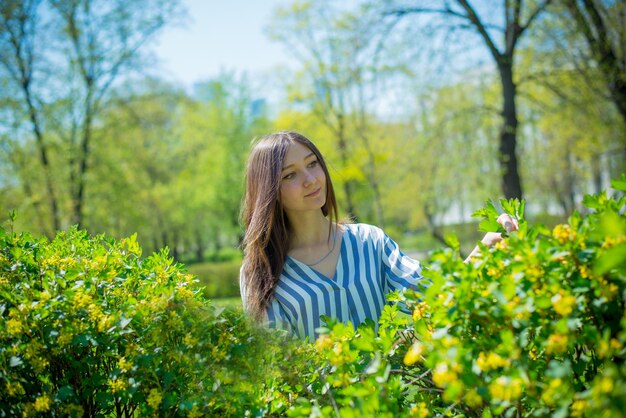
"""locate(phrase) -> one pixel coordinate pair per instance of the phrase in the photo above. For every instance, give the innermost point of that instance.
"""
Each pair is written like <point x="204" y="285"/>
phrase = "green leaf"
<point x="508" y="207"/>
<point x="489" y="225"/>
<point x="592" y="202"/>
<point x="452" y="241"/>
<point x="619" y="184"/>
<point x="64" y="393"/>
<point x="612" y="258"/>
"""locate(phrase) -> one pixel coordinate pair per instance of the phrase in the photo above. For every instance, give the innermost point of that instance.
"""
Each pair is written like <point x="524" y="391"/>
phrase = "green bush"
<point x="88" y="328"/>
<point x="533" y="327"/>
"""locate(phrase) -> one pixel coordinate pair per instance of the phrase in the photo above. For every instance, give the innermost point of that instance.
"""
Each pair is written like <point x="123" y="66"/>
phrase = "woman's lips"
<point x="314" y="194"/>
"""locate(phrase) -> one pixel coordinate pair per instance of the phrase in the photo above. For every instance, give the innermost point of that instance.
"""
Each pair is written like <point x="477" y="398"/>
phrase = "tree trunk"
<point x="343" y="154"/>
<point x="79" y="197"/>
<point x="511" y="183"/>
<point x="43" y="158"/>
<point x="199" y="247"/>
<point x="372" y="179"/>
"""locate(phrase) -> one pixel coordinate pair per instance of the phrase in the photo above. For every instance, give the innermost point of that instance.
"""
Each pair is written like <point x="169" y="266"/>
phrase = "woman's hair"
<point x="267" y="235"/>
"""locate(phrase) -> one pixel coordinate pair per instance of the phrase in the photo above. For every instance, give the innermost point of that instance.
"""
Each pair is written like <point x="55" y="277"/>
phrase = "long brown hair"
<point x="267" y="237"/>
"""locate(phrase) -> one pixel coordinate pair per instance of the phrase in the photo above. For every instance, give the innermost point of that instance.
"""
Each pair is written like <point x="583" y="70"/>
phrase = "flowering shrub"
<point x="89" y="328"/>
<point x="533" y="327"/>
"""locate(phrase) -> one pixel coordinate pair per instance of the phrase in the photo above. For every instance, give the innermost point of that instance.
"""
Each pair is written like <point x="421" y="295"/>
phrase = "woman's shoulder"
<point x="364" y="231"/>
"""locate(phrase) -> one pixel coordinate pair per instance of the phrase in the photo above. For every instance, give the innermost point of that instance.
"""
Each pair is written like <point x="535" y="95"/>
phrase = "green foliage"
<point x="533" y="327"/>
<point x="89" y="328"/>
<point x="218" y="280"/>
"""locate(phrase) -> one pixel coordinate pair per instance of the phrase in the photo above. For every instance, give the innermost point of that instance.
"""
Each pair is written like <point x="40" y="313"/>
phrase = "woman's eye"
<point x="288" y="176"/>
<point x="313" y="163"/>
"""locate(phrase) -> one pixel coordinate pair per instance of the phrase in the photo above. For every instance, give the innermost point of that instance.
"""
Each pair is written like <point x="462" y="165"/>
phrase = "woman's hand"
<point x="508" y="223"/>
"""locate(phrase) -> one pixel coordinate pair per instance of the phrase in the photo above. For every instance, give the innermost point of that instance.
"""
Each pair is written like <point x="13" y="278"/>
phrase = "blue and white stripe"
<point x="370" y="265"/>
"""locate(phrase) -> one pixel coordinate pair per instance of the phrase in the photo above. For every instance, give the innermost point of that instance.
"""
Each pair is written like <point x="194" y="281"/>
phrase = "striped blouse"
<point x="370" y="265"/>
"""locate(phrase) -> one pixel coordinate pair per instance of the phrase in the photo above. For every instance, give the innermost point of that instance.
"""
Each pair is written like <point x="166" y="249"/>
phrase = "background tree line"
<point x="424" y="109"/>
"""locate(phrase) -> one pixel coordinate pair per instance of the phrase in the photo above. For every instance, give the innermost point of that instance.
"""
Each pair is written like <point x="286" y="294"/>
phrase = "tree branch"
<point x="473" y="17"/>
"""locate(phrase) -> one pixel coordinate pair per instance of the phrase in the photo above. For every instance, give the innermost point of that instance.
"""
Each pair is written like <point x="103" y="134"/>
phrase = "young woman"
<point x="299" y="261"/>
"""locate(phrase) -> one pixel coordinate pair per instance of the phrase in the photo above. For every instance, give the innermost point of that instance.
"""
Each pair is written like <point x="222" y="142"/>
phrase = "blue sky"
<point x="219" y="35"/>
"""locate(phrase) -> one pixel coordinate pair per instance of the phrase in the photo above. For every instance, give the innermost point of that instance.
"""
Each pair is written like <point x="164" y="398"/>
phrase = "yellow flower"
<point x="414" y="353"/>
<point x="615" y="344"/>
<point x="534" y="272"/>
<point x="420" y="311"/>
<point x="610" y="241"/>
<point x="124" y="364"/>
<point x="81" y="300"/>
<point x="557" y="343"/>
<point x="491" y="361"/>
<point x="104" y="322"/>
<point x="337" y="356"/>
<point x="15" y="389"/>
<point x="65" y="337"/>
<point x="606" y="384"/>
<point x="563" y="233"/>
<point x="448" y="341"/>
<point x="473" y="399"/>
<point x="493" y="272"/>
<point x="342" y="380"/>
<point x="585" y="272"/>
<point x="563" y="303"/>
<point x="185" y="293"/>
<point x="323" y="342"/>
<point x="612" y="290"/>
<point x="155" y="398"/>
<point x="72" y="410"/>
<point x="43" y="403"/>
<point x="578" y="408"/>
<point x="117" y="385"/>
<point x="39" y="364"/>
<point x="442" y="375"/>
<point x="14" y="327"/>
<point x="551" y="393"/>
<point x="190" y="340"/>
<point x="505" y="388"/>
<point x="419" y="411"/>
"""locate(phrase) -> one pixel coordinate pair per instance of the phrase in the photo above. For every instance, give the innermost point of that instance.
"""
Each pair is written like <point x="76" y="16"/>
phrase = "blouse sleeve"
<point x="400" y="271"/>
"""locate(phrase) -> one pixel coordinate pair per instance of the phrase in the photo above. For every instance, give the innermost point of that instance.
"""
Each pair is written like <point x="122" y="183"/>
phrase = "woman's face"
<point x="303" y="182"/>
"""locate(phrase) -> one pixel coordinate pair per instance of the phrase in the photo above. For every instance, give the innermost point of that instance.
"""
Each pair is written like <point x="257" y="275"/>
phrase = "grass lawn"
<point x="234" y="302"/>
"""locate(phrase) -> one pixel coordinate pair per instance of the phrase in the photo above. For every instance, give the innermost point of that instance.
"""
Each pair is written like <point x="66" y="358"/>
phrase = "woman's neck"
<point x="308" y="230"/>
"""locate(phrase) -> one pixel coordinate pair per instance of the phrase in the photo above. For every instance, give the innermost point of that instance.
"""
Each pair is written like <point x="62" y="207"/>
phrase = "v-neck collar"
<point x="317" y="273"/>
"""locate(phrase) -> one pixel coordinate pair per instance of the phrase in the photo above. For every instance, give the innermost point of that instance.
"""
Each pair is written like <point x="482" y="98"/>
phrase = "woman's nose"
<point x="308" y="178"/>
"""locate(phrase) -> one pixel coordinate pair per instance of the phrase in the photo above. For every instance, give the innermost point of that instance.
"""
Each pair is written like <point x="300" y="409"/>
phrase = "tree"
<point x="19" y="55"/>
<point x="216" y="129"/>
<point x="103" y="41"/>
<point x="603" y="25"/>
<point x="517" y="18"/>
<point x="340" y="81"/>
<point x="64" y="56"/>
<point x="574" y="140"/>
